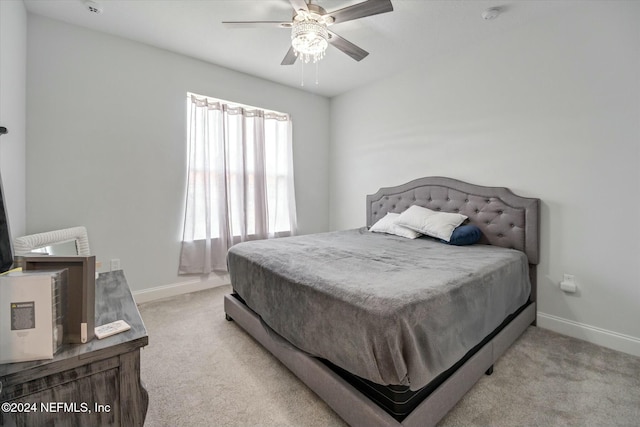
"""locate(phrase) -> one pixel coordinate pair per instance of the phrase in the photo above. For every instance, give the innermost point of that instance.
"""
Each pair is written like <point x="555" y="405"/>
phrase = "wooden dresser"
<point x="92" y="384"/>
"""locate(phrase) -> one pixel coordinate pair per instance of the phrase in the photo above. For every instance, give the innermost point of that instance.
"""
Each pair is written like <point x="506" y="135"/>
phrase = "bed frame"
<point x="506" y="220"/>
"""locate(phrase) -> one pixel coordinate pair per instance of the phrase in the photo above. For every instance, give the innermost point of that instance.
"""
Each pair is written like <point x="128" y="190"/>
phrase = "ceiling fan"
<point x="310" y="33"/>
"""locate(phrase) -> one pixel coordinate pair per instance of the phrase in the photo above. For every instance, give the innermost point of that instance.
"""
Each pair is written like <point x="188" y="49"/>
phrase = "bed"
<point x="387" y="330"/>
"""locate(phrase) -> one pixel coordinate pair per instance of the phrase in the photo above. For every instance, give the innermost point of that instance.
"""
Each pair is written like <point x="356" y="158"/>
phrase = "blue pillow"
<point x="465" y="235"/>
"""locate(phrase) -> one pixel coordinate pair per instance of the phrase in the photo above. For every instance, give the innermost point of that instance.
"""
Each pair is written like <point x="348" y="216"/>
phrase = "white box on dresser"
<point x="31" y="315"/>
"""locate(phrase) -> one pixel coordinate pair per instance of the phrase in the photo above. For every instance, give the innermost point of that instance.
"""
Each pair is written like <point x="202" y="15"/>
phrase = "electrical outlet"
<point x="569" y="283"/>
<point x="114" y="264"/>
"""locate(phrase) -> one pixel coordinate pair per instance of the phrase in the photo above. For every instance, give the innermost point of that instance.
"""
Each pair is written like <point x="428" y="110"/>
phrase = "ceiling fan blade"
<point x="256" y="24"/>
<point x="360" y="10"/>
<point x="289" y="58"/>
<point x="347" y="47"/>
<point x="299" y="4"/>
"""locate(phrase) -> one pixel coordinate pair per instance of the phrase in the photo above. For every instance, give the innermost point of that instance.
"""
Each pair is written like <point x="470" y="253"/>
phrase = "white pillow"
<point x="431" y="223"/>
<point x="387" y="225"/>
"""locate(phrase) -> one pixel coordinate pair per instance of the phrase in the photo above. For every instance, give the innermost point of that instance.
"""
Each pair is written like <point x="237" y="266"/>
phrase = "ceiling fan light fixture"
<point x="309" y="39"/>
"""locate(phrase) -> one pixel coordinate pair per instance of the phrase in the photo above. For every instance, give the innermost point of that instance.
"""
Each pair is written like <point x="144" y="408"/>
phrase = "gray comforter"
<point x="385" y="308"/>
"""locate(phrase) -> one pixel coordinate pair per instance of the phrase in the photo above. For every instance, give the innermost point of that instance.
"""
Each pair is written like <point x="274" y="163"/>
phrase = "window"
<point x="240" y="179"/>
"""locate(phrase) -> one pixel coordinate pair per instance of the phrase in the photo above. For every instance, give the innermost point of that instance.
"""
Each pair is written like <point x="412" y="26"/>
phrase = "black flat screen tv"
<point x="6" y="249"/>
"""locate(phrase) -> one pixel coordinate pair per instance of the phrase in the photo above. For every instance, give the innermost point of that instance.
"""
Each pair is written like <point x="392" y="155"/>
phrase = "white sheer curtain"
<point x="240" y="181"/>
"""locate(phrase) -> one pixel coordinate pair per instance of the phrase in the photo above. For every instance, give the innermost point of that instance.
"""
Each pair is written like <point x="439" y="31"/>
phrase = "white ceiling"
<point x="415" y="31"/>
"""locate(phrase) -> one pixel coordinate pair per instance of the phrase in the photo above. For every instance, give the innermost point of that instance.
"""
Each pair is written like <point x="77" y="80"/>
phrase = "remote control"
<point x="111" y="329"/>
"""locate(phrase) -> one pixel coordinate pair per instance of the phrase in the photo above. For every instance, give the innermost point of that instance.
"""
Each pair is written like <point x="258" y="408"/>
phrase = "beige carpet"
<point x="201" y="370"/>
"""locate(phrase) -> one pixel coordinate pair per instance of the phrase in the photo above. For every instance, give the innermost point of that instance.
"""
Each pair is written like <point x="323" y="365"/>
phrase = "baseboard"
<point x="166" y="291"/>
<point x="592" y="334"/>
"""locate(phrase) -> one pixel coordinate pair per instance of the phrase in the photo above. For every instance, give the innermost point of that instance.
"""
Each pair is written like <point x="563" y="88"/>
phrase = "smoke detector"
<point x="93" y="7"/>
<point x="491" y="13"/>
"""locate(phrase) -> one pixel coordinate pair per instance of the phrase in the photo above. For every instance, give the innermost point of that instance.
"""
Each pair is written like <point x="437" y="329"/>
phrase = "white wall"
<point x="106" y="143"/>
<point x="13" y="67"/>
<point x="551" y="110"/>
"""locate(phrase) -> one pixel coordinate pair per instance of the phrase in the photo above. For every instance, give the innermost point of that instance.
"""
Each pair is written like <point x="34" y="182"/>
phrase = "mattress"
<point x="390" y="310"/>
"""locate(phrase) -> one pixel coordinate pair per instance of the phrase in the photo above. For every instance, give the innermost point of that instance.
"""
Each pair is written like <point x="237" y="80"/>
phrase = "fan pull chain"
<point x="302" y="74"/>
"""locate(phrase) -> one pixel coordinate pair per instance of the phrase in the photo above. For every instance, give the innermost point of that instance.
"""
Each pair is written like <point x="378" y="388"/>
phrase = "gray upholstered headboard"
<point x="505" y="219"/>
